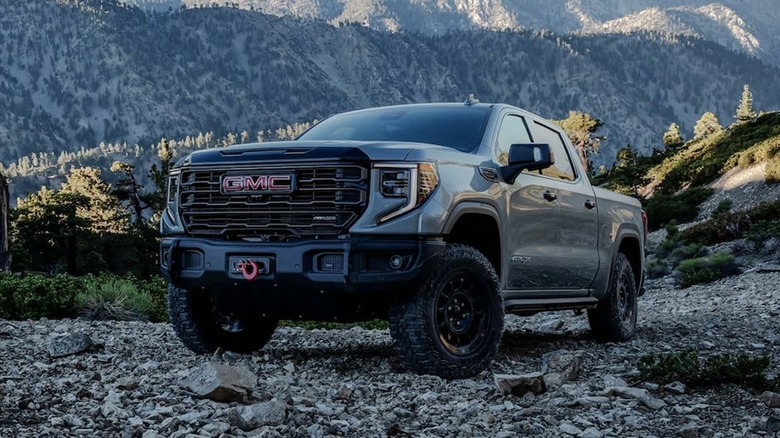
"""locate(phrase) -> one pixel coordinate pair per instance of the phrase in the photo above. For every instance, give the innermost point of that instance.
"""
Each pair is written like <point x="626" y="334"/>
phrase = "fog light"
<point x="396" y="261"/>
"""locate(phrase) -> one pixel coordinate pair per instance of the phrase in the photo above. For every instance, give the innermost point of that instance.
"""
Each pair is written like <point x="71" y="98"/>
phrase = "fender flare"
<point x="470" y="207"/>
<point x="627" y="232"/>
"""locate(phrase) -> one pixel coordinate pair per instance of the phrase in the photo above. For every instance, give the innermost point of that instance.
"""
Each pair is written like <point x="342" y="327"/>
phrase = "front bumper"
<point x="354" y="266"/>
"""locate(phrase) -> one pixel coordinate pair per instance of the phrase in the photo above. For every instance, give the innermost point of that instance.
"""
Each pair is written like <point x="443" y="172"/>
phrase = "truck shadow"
<point x="528" y="341"/>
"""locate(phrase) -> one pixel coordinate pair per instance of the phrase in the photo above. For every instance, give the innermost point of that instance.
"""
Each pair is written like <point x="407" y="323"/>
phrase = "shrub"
<point x="36" y="296"/>
<point x="665" y="248"/>
<point x="731" y="226"/>
<point x="157" y="289"/>
<point x="685" y="252"/>
<point x="772" y="170"/>
<point x="696" y="372"/>
<point x="113" y="298"/>
<point x="672" y="232"/>
<point x="707" y="269"/>
<point x="656" y="268"/>
<point x="683" y="207"/>
<point x="723" y="207"/>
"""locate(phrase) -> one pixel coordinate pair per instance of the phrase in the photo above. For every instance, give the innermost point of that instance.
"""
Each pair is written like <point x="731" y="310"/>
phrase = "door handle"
<point x="550" y="196"/>
<point x="590" y="204"/>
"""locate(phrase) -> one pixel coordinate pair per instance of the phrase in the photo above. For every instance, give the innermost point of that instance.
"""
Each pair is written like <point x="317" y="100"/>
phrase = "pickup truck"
<point x="439" y="218"/>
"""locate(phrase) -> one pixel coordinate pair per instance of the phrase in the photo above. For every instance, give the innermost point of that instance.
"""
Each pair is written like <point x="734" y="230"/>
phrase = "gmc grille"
<point x="327" y="200"/>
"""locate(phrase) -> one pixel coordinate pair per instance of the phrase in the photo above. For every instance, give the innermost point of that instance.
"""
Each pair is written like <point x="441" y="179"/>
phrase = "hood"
<point x="303" y="151"/>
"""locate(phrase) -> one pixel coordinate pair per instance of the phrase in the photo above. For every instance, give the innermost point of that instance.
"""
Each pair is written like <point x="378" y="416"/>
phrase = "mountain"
<point x="77" y="73"/>
<point x="748" y="26"/>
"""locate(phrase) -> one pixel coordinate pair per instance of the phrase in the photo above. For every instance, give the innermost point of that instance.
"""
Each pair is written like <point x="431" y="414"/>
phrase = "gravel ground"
<point x="349" y="382"/>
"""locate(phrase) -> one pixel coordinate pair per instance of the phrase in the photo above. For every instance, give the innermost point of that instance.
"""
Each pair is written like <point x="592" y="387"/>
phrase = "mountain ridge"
<point x="737" y="25"/>
<point x="74" y="74"/>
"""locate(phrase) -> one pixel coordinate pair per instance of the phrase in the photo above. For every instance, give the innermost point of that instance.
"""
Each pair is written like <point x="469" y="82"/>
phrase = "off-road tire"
<point x="191" y="314"/>
<point x="614" y="319"/>
<point x="415" y="321"/>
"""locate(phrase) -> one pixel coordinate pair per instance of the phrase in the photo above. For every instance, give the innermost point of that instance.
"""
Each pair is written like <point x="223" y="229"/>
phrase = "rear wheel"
<point x="452" y="325"/>
<point x="614" y="320"/>
<point x="203" y="326"/>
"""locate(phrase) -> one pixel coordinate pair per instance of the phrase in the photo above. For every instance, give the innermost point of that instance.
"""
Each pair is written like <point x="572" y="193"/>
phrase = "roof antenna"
<point x="471" y="100"/>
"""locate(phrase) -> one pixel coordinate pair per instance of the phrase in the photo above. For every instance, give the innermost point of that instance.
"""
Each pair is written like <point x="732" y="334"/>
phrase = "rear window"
<point x="460" y="128"/>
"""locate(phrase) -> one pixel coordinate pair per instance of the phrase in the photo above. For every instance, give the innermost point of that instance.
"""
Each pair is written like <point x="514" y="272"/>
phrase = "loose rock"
<point x="519" y="385"/>
<point x="560" y="367"/>
<point x="221" y="382"/>
<point x="68" y="344"/>
<point x="641" y="395"/>
<point x="771" y="399"/>
<point x="246" y="418"/>
<point x="675" y="388"/>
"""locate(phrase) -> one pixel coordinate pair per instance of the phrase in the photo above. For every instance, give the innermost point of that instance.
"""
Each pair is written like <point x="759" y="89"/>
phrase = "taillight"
<point x="644" y="222"/>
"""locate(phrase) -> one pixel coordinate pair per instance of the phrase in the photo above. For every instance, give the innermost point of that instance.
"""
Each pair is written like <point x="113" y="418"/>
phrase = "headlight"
<point x="173" y="186"/>
<point x="413" y="182"/>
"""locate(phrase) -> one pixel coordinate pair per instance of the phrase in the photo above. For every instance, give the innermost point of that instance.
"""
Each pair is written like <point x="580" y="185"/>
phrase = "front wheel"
<point x="203" y="327"/>
<point x="451" y="326"/>
<point x="614" y="320"/>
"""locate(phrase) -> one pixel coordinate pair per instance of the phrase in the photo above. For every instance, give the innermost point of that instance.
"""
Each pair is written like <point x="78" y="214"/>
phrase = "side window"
<point x="512" y="131"/>
<point x="562" y="169"/>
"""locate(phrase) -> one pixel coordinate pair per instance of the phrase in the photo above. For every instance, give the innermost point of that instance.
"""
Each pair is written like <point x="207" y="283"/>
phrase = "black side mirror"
<point x="526" y="157"/>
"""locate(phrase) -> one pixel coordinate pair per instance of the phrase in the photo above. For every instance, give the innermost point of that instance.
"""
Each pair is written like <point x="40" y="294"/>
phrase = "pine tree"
<point x="581" y="128"/>
<point x="673" y="137"/>
<point x="745" y="111"/>
<point x="707" y="125"/>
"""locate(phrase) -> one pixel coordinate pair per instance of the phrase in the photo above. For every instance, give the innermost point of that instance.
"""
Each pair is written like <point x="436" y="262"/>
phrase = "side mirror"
<point x="526" y="157"/>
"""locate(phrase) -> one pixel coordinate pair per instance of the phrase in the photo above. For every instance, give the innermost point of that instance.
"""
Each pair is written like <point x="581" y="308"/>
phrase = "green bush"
<point x="697" y="372"/>
<point x="707" y="269"/>
<point x="672" y="231"/>
<point x="772" y="170"/>
<point x="685" y="252"/>
<point x="106" y="298"/>
<point x="731" y="226"/>
<point x="683" y="207"/>
<point x="36" y="296"/>
<point x="723" y="207"/>
<point x="656" y="268"/>
<point x="157" y="289"/>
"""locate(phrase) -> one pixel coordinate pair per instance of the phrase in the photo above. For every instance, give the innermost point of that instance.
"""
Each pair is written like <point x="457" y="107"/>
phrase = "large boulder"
<point x="221" y="382"/>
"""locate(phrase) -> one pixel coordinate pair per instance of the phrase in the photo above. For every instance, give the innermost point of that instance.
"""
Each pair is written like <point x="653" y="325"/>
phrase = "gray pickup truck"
<point x="437" y="217"/>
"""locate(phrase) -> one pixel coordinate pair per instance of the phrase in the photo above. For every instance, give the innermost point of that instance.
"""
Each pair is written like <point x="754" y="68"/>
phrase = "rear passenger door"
<point x="577" y="250"/>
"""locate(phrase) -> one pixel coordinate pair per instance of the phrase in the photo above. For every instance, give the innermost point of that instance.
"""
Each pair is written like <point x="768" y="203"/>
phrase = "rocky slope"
<point x="349" y="383"/>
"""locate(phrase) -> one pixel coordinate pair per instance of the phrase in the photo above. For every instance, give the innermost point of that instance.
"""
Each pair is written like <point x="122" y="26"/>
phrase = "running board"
<point x="529" y="306"/>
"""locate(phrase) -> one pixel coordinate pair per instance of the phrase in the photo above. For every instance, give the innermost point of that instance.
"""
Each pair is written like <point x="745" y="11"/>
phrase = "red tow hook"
<point x="249" y="269"/>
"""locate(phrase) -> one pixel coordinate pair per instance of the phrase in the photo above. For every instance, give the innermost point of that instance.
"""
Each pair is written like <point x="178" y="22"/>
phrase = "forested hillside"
<point x="747" y="26"/>
<point x="77" y="73"/>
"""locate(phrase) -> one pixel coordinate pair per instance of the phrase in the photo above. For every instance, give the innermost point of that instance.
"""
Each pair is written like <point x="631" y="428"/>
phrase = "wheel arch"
<point x="477" y="225"/>
<point x="630" y="245"/>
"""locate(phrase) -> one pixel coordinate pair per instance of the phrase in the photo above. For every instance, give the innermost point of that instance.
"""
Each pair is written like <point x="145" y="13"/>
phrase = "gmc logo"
<point x="283" y="183"/>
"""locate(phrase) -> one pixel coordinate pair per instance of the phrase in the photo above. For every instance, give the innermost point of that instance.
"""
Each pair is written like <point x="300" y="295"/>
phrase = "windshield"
<point x="458" y="127"/>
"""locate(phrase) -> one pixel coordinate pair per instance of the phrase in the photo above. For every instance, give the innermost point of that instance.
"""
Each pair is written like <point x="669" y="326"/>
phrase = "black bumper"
<point x="354" y="266"/>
